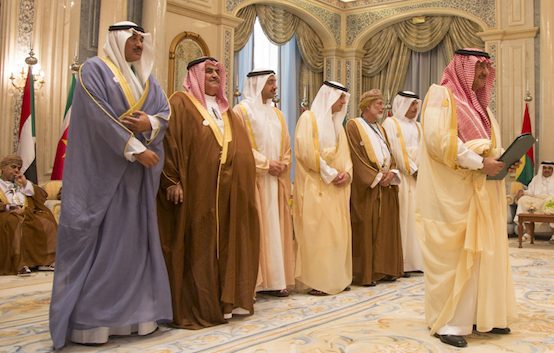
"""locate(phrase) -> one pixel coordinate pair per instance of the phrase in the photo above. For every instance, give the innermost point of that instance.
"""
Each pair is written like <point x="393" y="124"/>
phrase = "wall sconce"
<point x="304" y="104"/>
<point x="18" y="80"/>
<point x="528" y="97"/>
<point x="237" y="94"/>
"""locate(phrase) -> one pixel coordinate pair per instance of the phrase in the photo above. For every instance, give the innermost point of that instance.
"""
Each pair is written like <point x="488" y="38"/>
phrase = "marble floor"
<point x="385" y="318"/>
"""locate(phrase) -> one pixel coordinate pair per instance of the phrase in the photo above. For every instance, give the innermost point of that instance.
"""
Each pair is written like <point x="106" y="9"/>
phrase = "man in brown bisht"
<point x="374" y="210"/>
<point x="27" y="227"/>
<point x="208" y="221"/>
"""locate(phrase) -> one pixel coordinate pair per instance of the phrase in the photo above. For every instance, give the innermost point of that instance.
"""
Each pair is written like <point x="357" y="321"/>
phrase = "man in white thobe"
<point x="404" y="133"/>
<point x="539" y="191"/>
<point x="270" y="142"/>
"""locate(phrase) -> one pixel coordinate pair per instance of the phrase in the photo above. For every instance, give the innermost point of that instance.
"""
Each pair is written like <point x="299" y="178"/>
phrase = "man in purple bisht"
<point x="110" y="276"/>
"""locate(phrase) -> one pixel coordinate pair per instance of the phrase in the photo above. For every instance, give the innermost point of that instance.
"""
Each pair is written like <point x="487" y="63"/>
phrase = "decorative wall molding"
<point x="328" y="68"/>
<point x="348" y="73"/>
<point x="25" y="26"/>
<point x="510" y="34"/>
<point x="492" y="49"/>
<point x="359" y="3"/>
<point x="203" y="15"/>
<point x="348" y="84"/>
<point x="358" y="23"/>
<point x="228" y="65"/>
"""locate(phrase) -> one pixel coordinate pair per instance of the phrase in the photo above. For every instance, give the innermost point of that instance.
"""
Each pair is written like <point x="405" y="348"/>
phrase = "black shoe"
<point x="453" y="340"/>
<point x="276" y="293"/>
<point x="370" y="284"/>
<point x="406" y="275"/>
<point x="496" y="330"/>
<point x="388" y="278"/>
<point x="24" y="271"/>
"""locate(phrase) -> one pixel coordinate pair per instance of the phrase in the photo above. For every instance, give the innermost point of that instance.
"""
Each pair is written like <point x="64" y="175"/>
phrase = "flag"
<point x="26" y="148"/>
<point x="57" y="170"/>
<point x="525" y="171"/>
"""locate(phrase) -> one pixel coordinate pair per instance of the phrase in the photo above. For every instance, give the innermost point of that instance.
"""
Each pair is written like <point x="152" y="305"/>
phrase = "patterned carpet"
<point x="386" y="318"/>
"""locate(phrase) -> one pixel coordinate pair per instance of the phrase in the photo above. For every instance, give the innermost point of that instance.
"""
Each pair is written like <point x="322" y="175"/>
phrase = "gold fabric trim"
<point x="249" y="128"/>
<point x="400" y="136"/>
<point x="132" y="102"/>
<point x="5" y="200"/>
<point x="227" y="137"/>
<point x="452" y="152"/>
<point x="3" y="197"/>
<point x="284" y="141"/>
<point x="100" y="106"/>
<point x="211" y="121"/>
<point x="367" y="143"/>
<point x="315" y="137"/>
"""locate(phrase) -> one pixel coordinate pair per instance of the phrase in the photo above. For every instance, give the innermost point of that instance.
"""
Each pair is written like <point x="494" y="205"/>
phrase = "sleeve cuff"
<point x="134" y="146"/>
<point x="467" y="158"/>
<point x="328" y="174"/>
<point x="155" y="123"/>
<point x="377" y="179"/>
<point x="28" y="190"/>
<point x="396" y="179"/>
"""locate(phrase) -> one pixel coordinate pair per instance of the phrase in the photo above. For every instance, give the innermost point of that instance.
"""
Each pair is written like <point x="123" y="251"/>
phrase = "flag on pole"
<point x="57" y="170"/>
<point x="26" y="146"/>
<point x="525" y="171"/>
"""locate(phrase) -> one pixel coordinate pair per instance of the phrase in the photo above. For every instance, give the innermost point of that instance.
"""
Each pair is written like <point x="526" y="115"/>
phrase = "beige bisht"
<point x="269" y="137"/>
<point x="461" y="220"/>
<point x="321" y="210"/>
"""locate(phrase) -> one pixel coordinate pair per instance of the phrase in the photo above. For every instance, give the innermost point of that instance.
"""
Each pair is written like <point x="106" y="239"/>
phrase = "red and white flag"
<point x="57" y="170"/>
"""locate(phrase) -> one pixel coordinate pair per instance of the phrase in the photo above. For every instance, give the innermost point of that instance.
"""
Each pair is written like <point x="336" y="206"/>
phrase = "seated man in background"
<point x="539" y="191"/>
<point x="27" y="227"/>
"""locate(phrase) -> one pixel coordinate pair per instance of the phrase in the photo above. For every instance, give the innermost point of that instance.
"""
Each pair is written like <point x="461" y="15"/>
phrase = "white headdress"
<point x="541" y="185"/>
<point x="259" y="110"/>
<point x="402" y="103"/>
<point x="329" y="124"/>
<point x="115" y="50"/>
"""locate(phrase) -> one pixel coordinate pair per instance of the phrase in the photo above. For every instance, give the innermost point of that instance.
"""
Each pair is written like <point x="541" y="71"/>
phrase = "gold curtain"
<point x="244" y="30"/>
<point x="378" y="51"/>
<point x="422" y="37"/>
<point x="392" y="76"/>
<point x="310" y="46"/>
<point x="310" y="82"/>
<point x="387" y="53"/>
<point x="462" y="34"/>
<point x="280" y="25"/>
